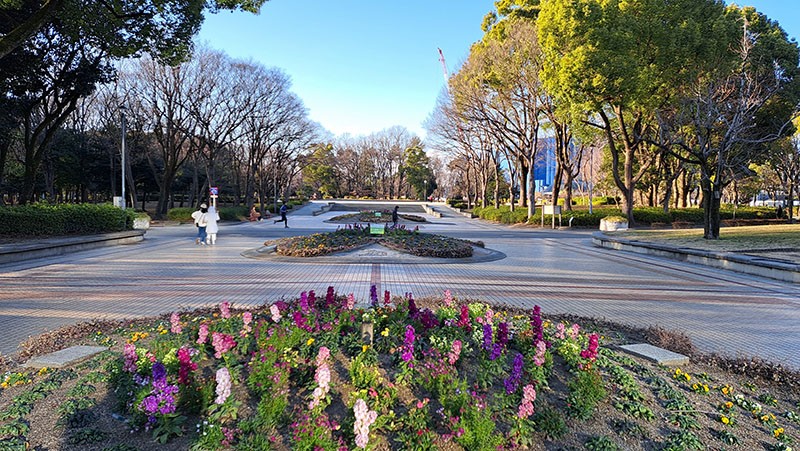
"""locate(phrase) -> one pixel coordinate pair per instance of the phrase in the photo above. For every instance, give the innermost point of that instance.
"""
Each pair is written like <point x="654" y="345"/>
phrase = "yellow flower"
<point x="364" y="348"/>
<point x="729" y="405"/>
<point x="310" y="342"/>
<point x="385" y="332"/>
<point x="777" y="432"/>
<point x="725" y="420"/>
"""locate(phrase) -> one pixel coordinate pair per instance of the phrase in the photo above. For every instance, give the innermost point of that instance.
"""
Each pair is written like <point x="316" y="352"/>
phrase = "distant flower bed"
<point x="354" y="236"/>
<point x="371" y="217"/>
<point x="320" y="373"/>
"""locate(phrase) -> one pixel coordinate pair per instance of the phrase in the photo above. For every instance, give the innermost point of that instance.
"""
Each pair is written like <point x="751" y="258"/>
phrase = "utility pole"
<point x="122" y="111"/>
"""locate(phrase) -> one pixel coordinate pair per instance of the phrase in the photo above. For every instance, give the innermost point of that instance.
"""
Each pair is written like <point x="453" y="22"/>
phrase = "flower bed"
<point x="354" y="236"/>
<point x="370" y="216"/>
<point x="299" y="375"/>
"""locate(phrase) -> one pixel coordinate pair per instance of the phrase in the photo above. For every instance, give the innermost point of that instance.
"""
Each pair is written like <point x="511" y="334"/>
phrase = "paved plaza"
<point x="559" y="270"/>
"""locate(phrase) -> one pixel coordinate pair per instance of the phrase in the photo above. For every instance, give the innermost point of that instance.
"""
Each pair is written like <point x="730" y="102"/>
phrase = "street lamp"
<point x="425" y="197"/>
<point x="122" y="150"/>
<point x="591" y="177"/>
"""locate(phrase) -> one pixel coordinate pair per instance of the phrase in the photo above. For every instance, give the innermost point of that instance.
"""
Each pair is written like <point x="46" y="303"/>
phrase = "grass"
<point x="732" y="239"/>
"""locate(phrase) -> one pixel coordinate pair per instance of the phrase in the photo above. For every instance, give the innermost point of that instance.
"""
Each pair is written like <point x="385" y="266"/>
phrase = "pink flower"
<point x="364" y="419"/>
<point x="222" y="343"/>
<point x="223" y="385"/>
<point x="247" y="318"/>
<point x="202" y="334"/>
<point x="276" y="313"/>
<point x="573" y="333"/>
<point x="455" y="352"/>
<point x="351" y="302"/>
<point x="526" y="406"/>
<point x="225" y="310"/>
<point x="560" y="329"/>
<point x="323" y="355"/>
<point x="175" y="323"/>
<point x="130" y="358"/>
<point x="541" y="350"/>
<point x="448" y="298"/>
<point x="186" y="364"/>
<point x="590" y="352"/>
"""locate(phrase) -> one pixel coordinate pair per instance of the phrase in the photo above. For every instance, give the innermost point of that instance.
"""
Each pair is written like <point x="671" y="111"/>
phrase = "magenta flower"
<point x="387" y="298"/>
<point x="463" y="320"/>
<point x="541" y="350"/>
<point x="186" y="365"/>
<point x="590" y="353"/>
<point x="330" y="297"/>
<point x="408" y="344"/>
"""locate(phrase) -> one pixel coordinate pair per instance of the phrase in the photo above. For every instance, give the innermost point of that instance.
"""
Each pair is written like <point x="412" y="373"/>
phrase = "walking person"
<point x="201" y="221"/>
<point x="395" y="216"/>
<point x="212" y="228"/>
<point x="283" y="219"/>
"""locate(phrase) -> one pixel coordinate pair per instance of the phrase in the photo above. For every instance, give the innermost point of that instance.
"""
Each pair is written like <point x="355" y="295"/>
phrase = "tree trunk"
<point x="710" y="203"/>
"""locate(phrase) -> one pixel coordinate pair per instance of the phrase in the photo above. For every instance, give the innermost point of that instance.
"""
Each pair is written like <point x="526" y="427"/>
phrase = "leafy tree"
<point x="320" y="171"/>
<point x="619" y="61"/>
<point x="418" y="171"/>
<point x="163" y="28"/>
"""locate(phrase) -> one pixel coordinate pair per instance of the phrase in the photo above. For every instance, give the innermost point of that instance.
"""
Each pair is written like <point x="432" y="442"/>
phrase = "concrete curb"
<point x="748" y="264"/>
<point x="50" y="247"/>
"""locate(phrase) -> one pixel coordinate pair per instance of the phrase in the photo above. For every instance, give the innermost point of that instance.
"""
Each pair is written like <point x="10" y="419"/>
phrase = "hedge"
<point x="64" y="219"/>
<point x="642" y="215"/>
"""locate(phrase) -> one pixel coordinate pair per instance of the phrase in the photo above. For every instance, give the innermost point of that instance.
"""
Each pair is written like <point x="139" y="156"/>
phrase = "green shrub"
<point x="502" y="214"/>
<point x="233" y="213"/>
<point x="180" y="214"/>
<point x="64" y="219"/>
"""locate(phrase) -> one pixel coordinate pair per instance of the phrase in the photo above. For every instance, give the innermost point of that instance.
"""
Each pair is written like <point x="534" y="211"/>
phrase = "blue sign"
<point x="214" y="190"/>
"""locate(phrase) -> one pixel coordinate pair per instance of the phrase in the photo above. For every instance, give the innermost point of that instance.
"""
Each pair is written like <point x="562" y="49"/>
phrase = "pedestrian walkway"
<point x="560" y="270"/>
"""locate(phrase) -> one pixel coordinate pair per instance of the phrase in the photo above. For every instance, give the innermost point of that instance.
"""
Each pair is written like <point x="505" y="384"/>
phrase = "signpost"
<point x="213" y="193"/>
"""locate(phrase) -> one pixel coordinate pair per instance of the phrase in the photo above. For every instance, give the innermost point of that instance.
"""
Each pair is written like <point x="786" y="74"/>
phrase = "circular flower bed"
<point x="371" y="217"/>
<point x="351" y="237"/>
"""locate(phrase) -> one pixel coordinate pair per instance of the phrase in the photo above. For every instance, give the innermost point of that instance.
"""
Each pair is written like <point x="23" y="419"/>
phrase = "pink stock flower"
<point x="448" y="298"/>
<point x="130" y="358"/>
<point x="590" y="353"/>
<point x="175" y="323"/>
<point x="364" y="419"/>
<point x="323" y="355"/>
<point x="541" y="350"/>
<point x="202" y="334"/>
<point x="560" y="329"/>
<point x="223" y="385"/>
<point x="455" y="352"/>
<point x="222" y="343"/>
<point x="526" y="406"/>
<point x="573" y="332"/>
<point x="186" y="365"/>
<point x="276" y="313"/>
<point x="351" y="302"/>
<point x="225" y="310"/>
<point x="489" y="316"/>
<point x="247" y="318"/>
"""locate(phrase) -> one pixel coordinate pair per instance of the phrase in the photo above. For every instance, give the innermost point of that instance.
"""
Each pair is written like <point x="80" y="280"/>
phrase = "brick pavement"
<point x="558" y="270"/>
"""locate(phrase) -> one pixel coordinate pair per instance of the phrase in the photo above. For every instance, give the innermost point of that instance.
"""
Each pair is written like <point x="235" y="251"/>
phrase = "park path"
<point x="559" y="270"/>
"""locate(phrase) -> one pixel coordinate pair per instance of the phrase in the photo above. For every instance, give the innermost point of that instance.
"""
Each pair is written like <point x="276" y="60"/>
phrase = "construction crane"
<point x="444" y="70"/>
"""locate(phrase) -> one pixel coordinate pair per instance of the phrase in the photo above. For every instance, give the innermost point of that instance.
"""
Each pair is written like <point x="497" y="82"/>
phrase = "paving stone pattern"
<point x="559" y="270"/>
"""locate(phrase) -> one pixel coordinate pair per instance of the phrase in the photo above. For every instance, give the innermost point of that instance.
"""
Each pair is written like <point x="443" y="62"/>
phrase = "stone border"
<point x="748" y="264"/>
<point x="50" y="247"/>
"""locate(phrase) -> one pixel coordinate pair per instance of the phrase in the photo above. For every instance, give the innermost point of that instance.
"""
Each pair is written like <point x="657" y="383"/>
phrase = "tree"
<point x="320" y="171"/>
<point x="726" y="117"/>
<point x="418" y="171"/>
<point x="163" y="28"/>
<point x="616" y="62"/>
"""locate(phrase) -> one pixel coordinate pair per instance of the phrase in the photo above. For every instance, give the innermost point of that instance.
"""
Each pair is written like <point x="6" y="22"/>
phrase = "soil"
<point x="105" y="429"/>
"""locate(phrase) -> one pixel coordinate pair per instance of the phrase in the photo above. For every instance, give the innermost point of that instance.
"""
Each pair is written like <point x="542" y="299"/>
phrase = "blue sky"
<point x="362" y="66"/>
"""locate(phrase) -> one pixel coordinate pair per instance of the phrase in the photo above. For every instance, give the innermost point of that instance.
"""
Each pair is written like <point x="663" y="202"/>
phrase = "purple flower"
<point x="487" y="337"/>
<point x="497" y="351"/>
<point x="536" y="324"/>
<point x="502" y="333"/>
<point x="304" y="302"/>
<point x="387" y="298"/>
<point x="512" y="383"/>
<point x="373" y="295"/>
<point x="330" y="297"/>
<point x="412" y="306"/>
<point x="159" y="376"/>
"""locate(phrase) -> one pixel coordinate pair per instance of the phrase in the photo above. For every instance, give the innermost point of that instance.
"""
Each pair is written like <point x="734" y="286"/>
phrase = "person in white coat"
<point x="212" y="228"/>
